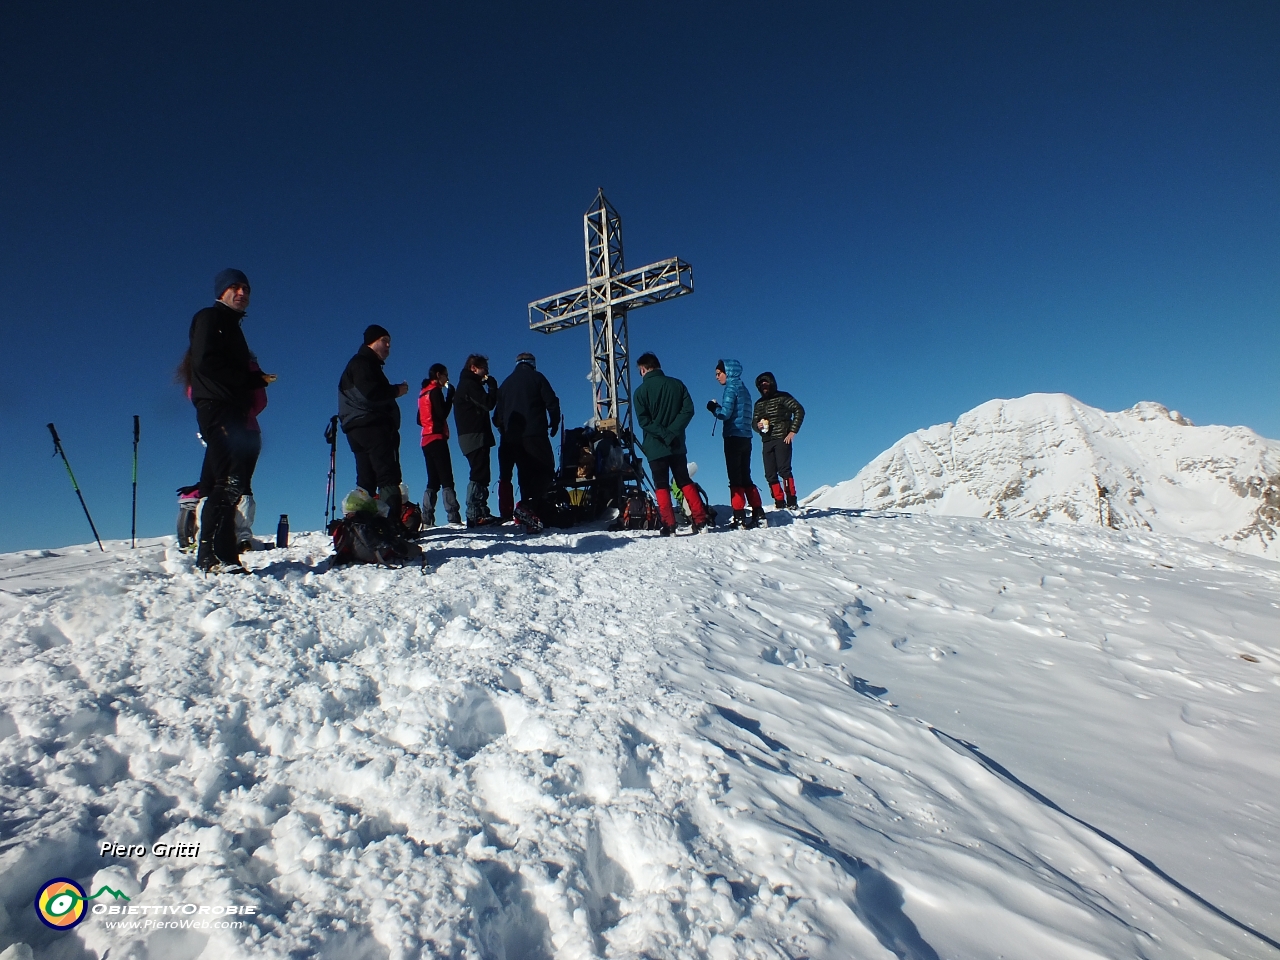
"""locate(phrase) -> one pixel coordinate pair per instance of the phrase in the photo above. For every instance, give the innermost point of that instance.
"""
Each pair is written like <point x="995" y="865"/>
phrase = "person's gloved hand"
<point x="711" y="405"/>
<point x="554" y="427"/>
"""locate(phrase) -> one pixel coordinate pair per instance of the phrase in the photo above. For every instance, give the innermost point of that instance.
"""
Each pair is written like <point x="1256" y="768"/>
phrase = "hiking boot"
<point x="792" y="504"/>
<point x="756" y="519"/>
<point x="779" y="504"/>
<point x="488" y="520"/>
<point x="218" y="567"/>
<point x="739" y="520"/>
<point x="666" y="531"/>
<point x="701" y="527"/>
<point x="524" y="516"/>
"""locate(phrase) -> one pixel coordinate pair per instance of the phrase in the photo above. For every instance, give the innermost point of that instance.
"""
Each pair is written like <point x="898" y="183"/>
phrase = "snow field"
<point x="843" y="736"/>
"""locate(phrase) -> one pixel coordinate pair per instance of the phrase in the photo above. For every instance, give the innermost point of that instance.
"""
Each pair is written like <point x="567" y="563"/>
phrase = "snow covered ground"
<point x="845" y="736"/>
<point x="1049" y="457"/>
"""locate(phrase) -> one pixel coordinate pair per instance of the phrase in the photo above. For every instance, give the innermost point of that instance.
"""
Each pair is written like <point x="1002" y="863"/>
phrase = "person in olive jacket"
<point x="777" y="417"/>
<point x="224" y="380"/>
<point x="473" y="399"/>
<point x="370" y="418"/>
<point x="663" y="409"/>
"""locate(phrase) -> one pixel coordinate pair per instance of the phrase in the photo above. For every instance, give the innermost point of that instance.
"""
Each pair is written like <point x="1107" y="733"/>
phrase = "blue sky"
<point x="902" y="210"/>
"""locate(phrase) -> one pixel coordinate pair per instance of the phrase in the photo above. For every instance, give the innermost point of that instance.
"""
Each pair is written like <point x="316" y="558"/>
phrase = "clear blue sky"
<point x="903" y="210"/>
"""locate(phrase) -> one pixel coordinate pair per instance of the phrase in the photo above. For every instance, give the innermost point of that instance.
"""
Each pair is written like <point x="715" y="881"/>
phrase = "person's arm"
<point x="684" y="417"/>
<point x="552" y="403"/>
<point x="490" y="393"/>
<point x="373" y="384"/>
<point x="797" y="414"/>
<point x="439" y="409"/>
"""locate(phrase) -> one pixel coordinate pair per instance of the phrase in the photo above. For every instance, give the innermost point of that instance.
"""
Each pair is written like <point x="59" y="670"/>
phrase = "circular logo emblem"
<point x="60" y="903"/>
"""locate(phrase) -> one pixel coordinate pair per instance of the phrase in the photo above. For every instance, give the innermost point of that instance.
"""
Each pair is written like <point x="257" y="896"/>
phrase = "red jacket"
<point x="433" y="412"/>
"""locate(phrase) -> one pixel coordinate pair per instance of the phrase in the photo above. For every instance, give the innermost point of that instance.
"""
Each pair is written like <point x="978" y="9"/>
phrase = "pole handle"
<point x="56" y="442"/>
<point x="136" y="431"/>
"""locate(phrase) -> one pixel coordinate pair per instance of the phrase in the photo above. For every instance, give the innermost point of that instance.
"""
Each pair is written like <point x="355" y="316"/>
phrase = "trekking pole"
<point x="133" y="527"/>
<point x="57" y="450"/>
<point x="331" y="489"/>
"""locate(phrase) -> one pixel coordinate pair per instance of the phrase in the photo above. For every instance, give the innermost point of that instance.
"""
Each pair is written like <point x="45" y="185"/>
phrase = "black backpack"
<point x="371" y="539"/>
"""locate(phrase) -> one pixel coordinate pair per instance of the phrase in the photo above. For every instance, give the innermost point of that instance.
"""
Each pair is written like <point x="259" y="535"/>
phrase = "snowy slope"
<point x="1049" y="457"/>
<point x="846" y="736"/>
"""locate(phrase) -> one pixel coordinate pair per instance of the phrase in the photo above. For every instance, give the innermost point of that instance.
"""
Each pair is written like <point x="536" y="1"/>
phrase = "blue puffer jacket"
<point x="735" y="406"/>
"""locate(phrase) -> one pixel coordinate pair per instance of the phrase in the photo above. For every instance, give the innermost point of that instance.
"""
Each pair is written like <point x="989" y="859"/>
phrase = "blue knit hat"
<point x="227" y="278"/>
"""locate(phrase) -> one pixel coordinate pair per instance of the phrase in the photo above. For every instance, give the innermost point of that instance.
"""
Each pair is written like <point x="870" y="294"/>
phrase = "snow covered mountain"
<point x="839" y="737"/>
<point x="1049" y="457"/>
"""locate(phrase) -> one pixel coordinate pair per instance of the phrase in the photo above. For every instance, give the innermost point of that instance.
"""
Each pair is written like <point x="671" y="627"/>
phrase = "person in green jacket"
<point x="663" y="409"/>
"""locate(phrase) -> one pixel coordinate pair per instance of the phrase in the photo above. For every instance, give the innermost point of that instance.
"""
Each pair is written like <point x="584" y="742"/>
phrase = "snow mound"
<point x="1048" y="457"/>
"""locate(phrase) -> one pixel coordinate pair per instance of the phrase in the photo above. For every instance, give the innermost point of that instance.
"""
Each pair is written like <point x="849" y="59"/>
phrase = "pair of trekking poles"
<point x="133" y="527"/>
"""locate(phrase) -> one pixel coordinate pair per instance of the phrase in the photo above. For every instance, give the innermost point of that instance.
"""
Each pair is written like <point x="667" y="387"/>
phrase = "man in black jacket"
<point x="371" y="418"/>
<point x="527" y="415"/>
<point x="223" y="381"/>
<point x="473" y="399"/>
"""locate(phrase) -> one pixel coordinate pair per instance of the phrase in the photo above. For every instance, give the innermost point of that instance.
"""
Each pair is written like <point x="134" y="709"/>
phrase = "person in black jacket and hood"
<point x="527" y="415"/>
<point x="473" y="399"/>
<point x="371" y="418"/>
<point x="223" y="381"/>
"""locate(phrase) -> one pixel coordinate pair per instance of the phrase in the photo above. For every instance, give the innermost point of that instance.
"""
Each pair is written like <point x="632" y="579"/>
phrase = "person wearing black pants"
<point x="371" y="419"/>
<point x="434" y="403"/>
<point x="223" y="382"/>
<point x="527" y="415"/>
<point x="476" y="395"/>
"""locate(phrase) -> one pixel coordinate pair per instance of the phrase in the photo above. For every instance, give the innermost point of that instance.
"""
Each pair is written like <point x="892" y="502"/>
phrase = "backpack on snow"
<point x="639" y="512"/>
<point x="361" y="538"/>
<point x="411" y="517"/>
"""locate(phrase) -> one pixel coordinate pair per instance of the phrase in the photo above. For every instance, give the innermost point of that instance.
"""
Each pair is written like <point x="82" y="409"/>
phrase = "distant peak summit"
<point x="1047" y="457"/>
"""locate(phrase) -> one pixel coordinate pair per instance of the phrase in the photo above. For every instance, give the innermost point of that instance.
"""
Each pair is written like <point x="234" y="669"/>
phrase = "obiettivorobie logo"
<point x="60" y="903"/>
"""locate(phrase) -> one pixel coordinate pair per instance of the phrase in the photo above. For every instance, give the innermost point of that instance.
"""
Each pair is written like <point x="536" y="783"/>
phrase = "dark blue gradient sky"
<point x="903" y="210"/>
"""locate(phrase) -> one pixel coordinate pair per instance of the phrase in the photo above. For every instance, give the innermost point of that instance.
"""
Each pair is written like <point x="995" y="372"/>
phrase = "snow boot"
<point x="451" y="510"/>
<point x="739" y="519"/>
<point x="527" y="517"/>
<point x="791" y="493"/>
<point x="757" y="518"/>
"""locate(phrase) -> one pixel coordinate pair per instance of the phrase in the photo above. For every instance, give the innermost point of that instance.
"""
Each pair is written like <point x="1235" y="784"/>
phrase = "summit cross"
<point x="603" y="302"/>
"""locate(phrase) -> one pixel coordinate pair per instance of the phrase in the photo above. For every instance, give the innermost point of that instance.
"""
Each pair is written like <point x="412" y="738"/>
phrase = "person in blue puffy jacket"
<point x="734" y="409"/>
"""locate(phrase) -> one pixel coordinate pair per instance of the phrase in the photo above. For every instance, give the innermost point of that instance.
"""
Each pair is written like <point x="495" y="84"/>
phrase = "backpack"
<point x="361" y="538"/>
<point x="639" y="512"/>
<point x="411" y="517"/>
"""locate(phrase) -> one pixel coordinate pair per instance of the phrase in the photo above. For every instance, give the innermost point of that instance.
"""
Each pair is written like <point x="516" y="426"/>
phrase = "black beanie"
<point x="227" y="278"/>
<point x="374" y="333"/>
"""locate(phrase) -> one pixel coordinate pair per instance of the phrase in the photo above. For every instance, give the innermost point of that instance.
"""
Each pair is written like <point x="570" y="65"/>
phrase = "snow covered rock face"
<point x="840" y="737"/>
<point x="1048" y="457"/>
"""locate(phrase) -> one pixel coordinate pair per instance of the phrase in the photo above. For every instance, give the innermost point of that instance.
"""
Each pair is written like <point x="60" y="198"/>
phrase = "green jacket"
<point x="784" y="413"/>
<point x="663" y="409"/>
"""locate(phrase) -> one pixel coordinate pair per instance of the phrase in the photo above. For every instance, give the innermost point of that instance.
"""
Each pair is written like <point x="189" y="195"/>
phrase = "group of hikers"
<point x="228" y="389"/>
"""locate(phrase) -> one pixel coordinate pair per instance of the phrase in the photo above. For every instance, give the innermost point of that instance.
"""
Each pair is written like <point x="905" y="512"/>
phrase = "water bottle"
<point x="282" y="531"/>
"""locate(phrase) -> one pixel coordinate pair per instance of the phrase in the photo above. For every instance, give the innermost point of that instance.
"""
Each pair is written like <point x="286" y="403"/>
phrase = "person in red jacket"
<point x="434" y="403"/>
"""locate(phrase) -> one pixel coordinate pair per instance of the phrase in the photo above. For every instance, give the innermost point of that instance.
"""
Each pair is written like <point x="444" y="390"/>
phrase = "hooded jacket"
<point x="781" y="409"/>
<point x="663" y="409"/>
<point x="366" y="397"/>
<point x="735" y="406"/>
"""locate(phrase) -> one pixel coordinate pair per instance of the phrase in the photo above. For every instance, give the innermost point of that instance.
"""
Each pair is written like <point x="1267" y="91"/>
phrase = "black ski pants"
<point x="737" y="461"/>
<point x="533" y="460"/>
<point x="377" y="451"/>
<point x="777" y="461"/>
<point x="440" y="465"/>
<point x="674" y="467"/>
<point x="231" y="449"/>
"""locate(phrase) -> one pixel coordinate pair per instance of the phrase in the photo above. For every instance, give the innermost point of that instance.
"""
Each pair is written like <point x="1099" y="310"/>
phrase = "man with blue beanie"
<point x="734" y="409"/>
<point x="224" y="378"/>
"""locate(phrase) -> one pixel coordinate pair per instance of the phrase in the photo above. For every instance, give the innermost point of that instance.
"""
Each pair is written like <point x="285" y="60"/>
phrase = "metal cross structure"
<point x="603" y="302"/>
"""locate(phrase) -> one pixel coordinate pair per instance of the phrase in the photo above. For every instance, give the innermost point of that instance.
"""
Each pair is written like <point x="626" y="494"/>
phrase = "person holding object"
<point x="663" y="409"/>
<point x="224" y="380"/>
<point x="434" y="403"/>
<point x="778" y="416"/>
<point x="476" y="396"/>
<point x="370" y="418"/>
<point x="527" y="415"/>
<point x="733" y="409"/>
